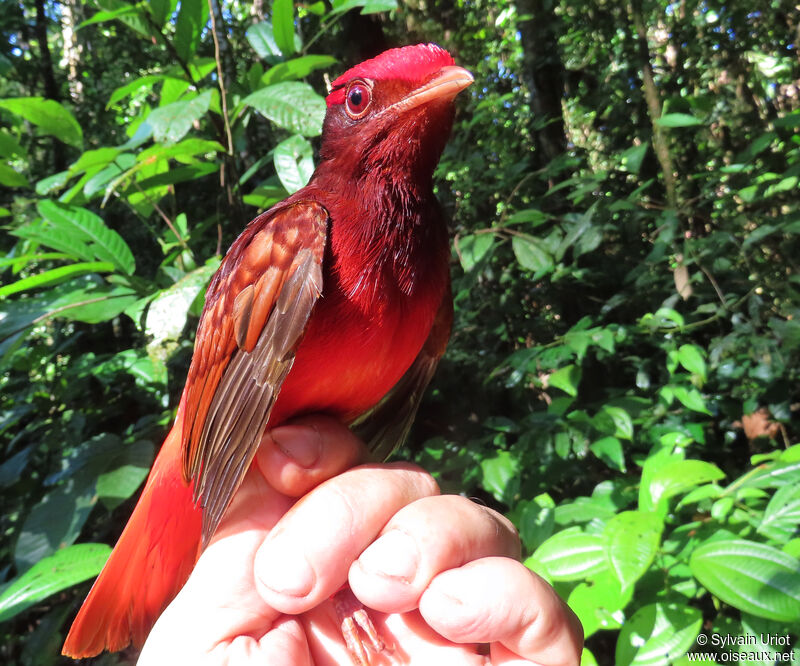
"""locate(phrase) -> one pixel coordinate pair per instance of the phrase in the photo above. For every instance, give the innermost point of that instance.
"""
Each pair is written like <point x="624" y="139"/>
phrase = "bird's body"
<point x="336" y="301"/>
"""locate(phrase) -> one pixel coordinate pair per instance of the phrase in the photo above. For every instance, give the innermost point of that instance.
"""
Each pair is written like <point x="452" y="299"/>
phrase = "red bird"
<point x="336" y="300"/>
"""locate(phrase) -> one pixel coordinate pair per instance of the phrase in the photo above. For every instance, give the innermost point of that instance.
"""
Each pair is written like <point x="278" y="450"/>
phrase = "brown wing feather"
<point x="385" y="427"/>
<point x="256" y="311"/>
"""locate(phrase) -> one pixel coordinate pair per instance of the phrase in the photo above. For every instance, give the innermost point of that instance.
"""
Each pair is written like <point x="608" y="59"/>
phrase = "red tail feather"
<point x="149" y="565"/>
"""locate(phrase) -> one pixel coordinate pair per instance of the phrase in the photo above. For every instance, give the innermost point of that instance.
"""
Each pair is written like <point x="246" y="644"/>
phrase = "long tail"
<point x="149" y="565"/>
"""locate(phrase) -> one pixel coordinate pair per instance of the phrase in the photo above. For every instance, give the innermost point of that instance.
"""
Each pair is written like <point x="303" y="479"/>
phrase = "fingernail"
<point x="394" y="555"/>
<point x="302" y="444"/>
<point x="285" y="571"/>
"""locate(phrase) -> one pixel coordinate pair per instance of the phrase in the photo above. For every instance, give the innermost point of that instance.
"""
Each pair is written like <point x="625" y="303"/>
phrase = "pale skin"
<point x="440" y="574"/>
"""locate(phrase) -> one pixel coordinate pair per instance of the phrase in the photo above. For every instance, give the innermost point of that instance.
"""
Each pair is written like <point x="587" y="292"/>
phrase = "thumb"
<point x="298" y="456"/>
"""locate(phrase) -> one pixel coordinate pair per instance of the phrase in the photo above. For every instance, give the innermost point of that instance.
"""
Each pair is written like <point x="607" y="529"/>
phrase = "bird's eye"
<point x="357" y="99"/>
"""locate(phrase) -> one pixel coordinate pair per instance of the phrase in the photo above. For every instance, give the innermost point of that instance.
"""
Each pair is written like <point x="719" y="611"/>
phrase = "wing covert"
<point x="256" y="310"/>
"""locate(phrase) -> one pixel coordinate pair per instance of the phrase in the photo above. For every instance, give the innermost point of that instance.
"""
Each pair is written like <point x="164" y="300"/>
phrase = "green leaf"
<point x="691" y="358"/>
<point x="166" y="316"/>
<point x="294" y="162"/>
<point x="678" y="120"/>
<point x="56" y="275"/>
<point x="531" y="254"/>
<point x="110" y="15"/>
<point x="48" y="116"/>
<point x="673" y="478"/>
<point x="283" y="26"/>
<point x="782" y="516"/>
<point x="632" y="541"/>
<point x="127" y="472"/>
<point x="609" y="450"/>
<point x="11" y="178"/>
<point x="599" y="604"/>
<point x="10" y="147"/>
<point x="89" y="231"/>
<point x="262" y="39"/>
<point x="499" y="474"/>
<point x="297" y="68"/>
<point x="63" y="569"/>
<point x="572" y="555"/>
<point x="472" y="248"/>
<point x="55" y="522"/>
<point x="293" y="105"/>
<point x="192" y="19"/>
<point x="147" y="82"/>
<point x="753" y="577"/>
<point x="658" y="634"/>
<point x="170" y="123"/>
<point x="566" y="379"/>
<point x="614" y="421"/>
<point x="691" y="398"/>
<point x="632" y="158"/>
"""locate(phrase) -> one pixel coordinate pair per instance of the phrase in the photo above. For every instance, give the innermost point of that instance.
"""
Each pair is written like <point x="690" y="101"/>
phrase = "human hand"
<point x="439" y="572"/>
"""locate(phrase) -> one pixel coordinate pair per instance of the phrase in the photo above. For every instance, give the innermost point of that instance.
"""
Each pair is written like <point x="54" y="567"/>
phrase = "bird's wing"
<point x="256" y="311"/>
<point x="385" y="427"/>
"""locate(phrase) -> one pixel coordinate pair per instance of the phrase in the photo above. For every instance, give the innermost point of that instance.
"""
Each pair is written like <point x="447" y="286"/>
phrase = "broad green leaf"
<point x="126" y="473"/>
<point x="614" y="421"/>
<point x="599" y="604"/>
<point x="499" y="474"/>
<point x="192" y="19"/>
<point x="170" y="123"/>
<point x="674" y="478"/>
<point x="609" y="450"/>
<point x="376" y="6"/>
<point x="566" y="379"/>
<point x="691" y="398"/>
<point x="110" y="15"/>
<point x="472" y="248"/>
<point x="658" y="634"/>
<point x="166" y="316"/>
<point x="632" y="158"/>
<point x="531" y="254"/>
<point x="678" y="120"/>
<point x="535" y="520"/>
<point x="297" y="68"/>
<point x="632" y="541"/>
<point x="63" y="569"/>
<point x="294" y="162"/>
<point x="101" y="242"/>
<point x="56" y="275"/>
<point x="262" y="39"/>
<point x="691" y="358"/>
<point x="283" y="25"/>
<point x="11" y="178"/>
<point x="54" y="522"/>
<point x="50" y="117"/>
<point x="9" y="146"/>
<point x="781" y="518"/>
<point x="147" y="82"/>
<point x="573" y="555"/>
<point x="161" y="9"/>
<point x="292" y="105"/>
<point x="753" y="577"/>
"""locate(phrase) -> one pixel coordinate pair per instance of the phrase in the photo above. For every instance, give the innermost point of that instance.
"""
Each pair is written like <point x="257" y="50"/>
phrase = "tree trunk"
<point x="70" y="17"/>
<point x="543" y="74"/>
<point x="653" y="101"/>
<point x="48" y="78"/>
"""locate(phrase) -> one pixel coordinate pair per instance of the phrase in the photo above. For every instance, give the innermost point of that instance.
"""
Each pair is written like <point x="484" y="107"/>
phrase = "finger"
<point x="218" y="602"/>
<point x="296" y="457"/>
<point x="306" y="557"/>
<point x="499" y="600"/>
<point x="423" y="539"/>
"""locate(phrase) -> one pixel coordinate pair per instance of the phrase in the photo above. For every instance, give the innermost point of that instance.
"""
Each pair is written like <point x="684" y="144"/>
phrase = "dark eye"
<point x="357" y="100"/>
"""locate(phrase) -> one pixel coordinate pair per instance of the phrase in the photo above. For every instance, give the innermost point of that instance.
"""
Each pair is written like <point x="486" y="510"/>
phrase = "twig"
<point x="220" y="78"/>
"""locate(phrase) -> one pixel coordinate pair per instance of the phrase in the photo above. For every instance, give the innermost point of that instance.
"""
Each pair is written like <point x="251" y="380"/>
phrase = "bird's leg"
<point x="352" y="616"/>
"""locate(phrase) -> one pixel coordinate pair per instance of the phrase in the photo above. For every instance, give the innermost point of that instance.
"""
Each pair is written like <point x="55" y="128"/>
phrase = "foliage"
<point x="622" y="186"/>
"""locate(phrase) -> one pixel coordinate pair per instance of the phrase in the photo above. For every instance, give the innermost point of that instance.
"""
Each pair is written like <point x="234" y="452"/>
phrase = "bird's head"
<point x="393" y="114"/>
